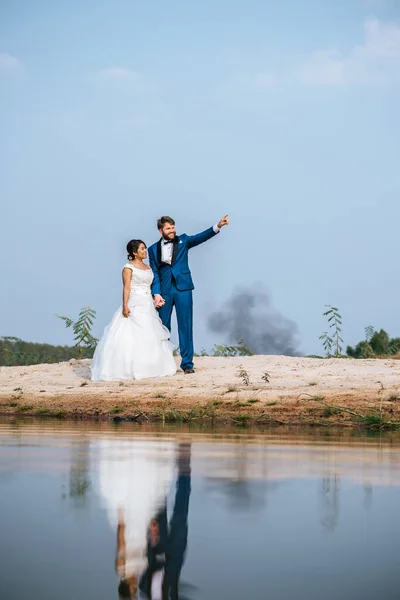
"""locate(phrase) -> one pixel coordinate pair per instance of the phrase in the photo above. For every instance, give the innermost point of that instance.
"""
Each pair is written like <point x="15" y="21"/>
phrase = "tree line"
<point x="14" y="351"/>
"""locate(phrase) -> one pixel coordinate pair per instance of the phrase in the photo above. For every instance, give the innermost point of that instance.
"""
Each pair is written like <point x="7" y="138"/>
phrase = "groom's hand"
<point x="158" y="300"/>
<point x="224" y="221"/>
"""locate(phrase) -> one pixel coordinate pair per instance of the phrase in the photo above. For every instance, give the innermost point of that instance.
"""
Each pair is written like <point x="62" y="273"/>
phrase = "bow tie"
<point x="165" y="242"/>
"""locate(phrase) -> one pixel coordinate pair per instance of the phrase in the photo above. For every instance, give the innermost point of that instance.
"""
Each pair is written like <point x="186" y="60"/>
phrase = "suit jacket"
<point x="178" y="273"/>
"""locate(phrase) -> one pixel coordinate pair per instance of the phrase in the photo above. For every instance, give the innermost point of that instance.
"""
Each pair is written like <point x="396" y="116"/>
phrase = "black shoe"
<point x="189" y="371"/>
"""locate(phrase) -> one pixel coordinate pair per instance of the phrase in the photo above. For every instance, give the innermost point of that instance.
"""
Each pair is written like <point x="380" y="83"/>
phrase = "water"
<point x="275" y="515"/>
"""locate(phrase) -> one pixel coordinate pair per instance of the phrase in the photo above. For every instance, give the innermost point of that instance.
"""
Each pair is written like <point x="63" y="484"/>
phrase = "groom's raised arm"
<point x="156" y="286"/>
<point x="204" y="236"/>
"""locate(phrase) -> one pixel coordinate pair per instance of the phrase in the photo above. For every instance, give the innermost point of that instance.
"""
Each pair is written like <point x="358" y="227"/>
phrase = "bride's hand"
<point x="126" y="311"/>
<point x="158" y="301"/>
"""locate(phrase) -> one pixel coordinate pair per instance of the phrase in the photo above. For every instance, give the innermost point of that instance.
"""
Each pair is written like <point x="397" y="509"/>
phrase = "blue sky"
<point x="285" y="115"/>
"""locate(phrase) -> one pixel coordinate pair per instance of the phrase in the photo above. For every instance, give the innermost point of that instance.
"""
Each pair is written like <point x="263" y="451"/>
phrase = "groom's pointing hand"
<point x="224" y="221"/>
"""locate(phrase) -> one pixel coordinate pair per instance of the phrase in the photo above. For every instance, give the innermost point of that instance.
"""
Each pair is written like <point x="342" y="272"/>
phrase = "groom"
<point x="173" y="285"/>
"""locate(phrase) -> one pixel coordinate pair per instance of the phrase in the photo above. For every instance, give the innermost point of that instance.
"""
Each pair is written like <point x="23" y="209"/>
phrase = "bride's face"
<point x="142" y="252"/>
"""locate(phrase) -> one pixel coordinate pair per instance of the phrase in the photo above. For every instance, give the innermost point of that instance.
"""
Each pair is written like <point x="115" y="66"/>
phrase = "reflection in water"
<point x="79" y="480"/>
<point x="367" y="503"/>
<point x="330" y="494"/>
<point x="135" y="478"/>
<point x="166" y="544"/>
<point x="259" y="508"/>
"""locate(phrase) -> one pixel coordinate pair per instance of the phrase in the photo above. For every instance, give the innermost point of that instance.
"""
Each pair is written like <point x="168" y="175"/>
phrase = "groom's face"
<point x="168" y="232"/>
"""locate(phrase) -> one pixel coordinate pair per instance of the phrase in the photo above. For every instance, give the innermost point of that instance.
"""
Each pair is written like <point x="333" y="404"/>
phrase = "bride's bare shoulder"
<point x="127" y="270"/>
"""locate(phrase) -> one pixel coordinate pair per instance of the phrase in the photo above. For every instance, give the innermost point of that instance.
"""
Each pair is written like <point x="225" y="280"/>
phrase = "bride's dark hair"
<point x="132" y="247"/>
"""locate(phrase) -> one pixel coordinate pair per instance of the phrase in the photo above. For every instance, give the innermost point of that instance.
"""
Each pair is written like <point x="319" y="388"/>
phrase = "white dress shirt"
<point x="167" y="248"/>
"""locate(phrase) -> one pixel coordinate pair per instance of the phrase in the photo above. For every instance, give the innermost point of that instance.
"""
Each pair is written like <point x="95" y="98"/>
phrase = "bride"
<point x="135" y="345"/>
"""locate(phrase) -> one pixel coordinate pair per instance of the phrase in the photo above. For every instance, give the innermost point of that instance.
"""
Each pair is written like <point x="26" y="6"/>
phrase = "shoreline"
<point x="255" y="390"/>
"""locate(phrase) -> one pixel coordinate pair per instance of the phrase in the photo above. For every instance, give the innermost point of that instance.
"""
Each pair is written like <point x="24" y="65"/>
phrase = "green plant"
<point x="82" y="329"/>
<point x="327" y="343"/>
<point x="374" y="420"/>
<point x="244" y="376"/>
<point x="193" y="413"/>
<point x="332" y="343"/>
<point x="362" y="350"/>
<point x="369" y="332"/>
<point x="59" y="414"/>
<point x="394" y="345"/>
<point x="242" y="418"/>
<point x="376" y="344"/>
<point x="231" y="388"/>
<point x="265" y="377"/>
<point x="380" y="342"/>
<point x="238" y="404"/>
<point x="241" y="349"/>
<point x="394" y="397"/>
<point x="328" y="412"/>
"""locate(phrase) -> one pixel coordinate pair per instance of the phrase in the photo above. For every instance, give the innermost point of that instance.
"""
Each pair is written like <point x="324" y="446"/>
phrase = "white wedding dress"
<point x="138" y="346"/>
<point x="134" y="476"/>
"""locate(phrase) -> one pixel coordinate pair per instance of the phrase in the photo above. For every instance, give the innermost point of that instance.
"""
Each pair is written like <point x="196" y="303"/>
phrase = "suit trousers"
<point x="183" y="302"/>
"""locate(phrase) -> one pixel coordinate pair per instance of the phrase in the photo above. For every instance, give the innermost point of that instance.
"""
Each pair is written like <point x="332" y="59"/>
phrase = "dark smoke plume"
<point x="248" y="316"/>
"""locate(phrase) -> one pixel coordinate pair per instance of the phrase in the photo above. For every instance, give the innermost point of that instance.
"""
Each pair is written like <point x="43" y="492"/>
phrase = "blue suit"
<point x="174" y="283"/>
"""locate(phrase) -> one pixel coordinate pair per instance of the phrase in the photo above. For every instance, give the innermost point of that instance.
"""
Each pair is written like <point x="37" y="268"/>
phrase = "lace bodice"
<point x="141" y="280"/>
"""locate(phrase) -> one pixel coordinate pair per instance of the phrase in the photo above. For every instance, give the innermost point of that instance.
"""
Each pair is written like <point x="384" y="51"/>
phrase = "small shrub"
<point x="242" y="418"/>
<point x="332" y="343"/>
<point x="82" y="329"/>
<point x="232" y="388"/>
<point x="192" y="414"/>
<point x="394" y="397"/>
<point x="328" y="412"/>
<point x="58" y="414"/>
<point x="42" y="411"/>
<point x="373" y="420"/>
<point x="244" y="376"/>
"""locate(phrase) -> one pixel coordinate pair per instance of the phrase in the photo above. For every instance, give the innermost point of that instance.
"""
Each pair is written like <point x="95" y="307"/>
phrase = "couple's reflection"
<point x="154" y="572"/>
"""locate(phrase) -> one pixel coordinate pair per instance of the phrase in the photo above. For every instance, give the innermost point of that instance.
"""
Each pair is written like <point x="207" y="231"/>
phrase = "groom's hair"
<point x="161" y="222"/>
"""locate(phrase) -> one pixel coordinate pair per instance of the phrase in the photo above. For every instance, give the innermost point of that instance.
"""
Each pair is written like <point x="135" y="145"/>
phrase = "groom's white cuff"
<point x="216" y="228"/>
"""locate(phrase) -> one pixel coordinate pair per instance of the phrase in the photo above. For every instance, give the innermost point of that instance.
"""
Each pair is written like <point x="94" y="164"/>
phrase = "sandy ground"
<point x="296" y="389"/>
